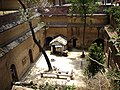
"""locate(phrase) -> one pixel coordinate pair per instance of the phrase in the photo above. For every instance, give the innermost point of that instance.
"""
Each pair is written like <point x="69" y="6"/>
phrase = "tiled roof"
<point x="59" y="41"/>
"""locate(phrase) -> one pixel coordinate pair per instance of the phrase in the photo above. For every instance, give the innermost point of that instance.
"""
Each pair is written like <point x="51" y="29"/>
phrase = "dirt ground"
<point x="72" y="62"/>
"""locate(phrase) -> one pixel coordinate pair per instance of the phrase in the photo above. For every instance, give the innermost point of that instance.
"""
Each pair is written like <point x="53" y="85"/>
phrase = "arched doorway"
<point x="99" y="41"/>
<point x="31" y="56"/>
<point x="74" y="42"/>
<point x="40" y="44"/>
<point x="13" y="73"/>
<point x="47" y="41"/>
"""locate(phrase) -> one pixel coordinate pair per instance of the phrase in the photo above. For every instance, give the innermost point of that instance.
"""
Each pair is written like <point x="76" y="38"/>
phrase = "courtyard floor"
<point x="71" y="62"/>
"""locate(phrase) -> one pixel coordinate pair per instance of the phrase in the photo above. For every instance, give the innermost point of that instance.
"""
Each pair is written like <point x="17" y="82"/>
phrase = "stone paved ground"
<point x="71" y="62"/>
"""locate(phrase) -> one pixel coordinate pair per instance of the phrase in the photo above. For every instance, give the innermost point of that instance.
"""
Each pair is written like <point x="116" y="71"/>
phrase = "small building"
<point x="58" y="45"/>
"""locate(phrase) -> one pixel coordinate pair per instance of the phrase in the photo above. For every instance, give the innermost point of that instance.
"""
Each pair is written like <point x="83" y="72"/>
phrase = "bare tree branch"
<point x="34" y="38"/>
<point x="96" y="62"/>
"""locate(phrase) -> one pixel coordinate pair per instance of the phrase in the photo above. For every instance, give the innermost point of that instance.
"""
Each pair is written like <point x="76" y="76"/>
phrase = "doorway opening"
<point x="31" y="56"/>
<point x="13" y="73"/>
<point x="74" y="42"/>
<point x="47" y="41"/>
<point x="99" y="42"/>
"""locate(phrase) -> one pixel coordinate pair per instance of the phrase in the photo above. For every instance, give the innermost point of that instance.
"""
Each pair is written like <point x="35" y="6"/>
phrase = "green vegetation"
<point x="95" y="59"/>
<point x="96" y="64"/>
<point x="114" y="12"/>
<point x="114" y="76"/>
<point x="116" y="41"/>
<point x="49" y="86"/>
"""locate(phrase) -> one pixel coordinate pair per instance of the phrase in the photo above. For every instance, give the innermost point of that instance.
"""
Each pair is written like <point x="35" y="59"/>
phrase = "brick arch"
<point x="73" y="42"/>
<point x="47" y="41"/>
<point x="99" y="41"/>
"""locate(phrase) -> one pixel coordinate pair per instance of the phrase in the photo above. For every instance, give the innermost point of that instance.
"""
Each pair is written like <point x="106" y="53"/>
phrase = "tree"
<point x="33" y="34"/>
<point x="96" y="54"/>
<point x="114" y="12"/>
<point x="96" y="64"/>
<point x="83" y="7"/>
